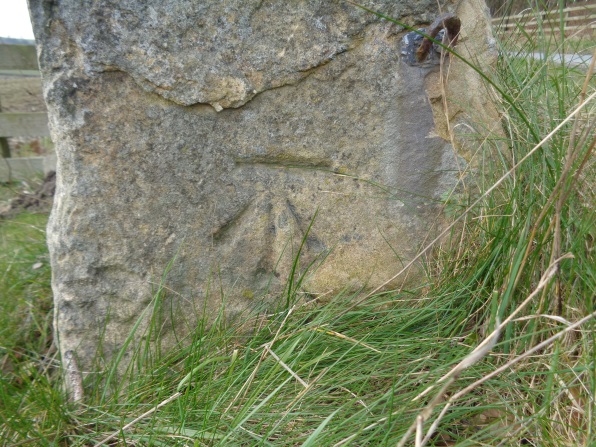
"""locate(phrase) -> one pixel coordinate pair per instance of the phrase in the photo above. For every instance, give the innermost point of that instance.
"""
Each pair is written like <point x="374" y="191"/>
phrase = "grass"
<point x="33" y="147"/>
<point x="520" y="262"/>
<point x="26" y="351"/>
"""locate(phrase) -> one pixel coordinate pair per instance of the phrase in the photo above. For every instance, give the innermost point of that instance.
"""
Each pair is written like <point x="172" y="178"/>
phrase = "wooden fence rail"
<point x="579" y="20"/>
<point x="18" y="60"/>
<point x="24" y="124"/>
<point x="18" y="57"/>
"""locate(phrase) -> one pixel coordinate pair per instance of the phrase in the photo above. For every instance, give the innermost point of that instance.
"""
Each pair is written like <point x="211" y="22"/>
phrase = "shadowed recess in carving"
<point x="221" y="229"/>
<point x="312" y="241"/>
<point x="285" y="160"/>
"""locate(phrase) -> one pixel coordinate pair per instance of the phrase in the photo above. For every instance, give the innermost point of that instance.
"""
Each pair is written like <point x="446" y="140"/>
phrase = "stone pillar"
<point x="202" y="137"/>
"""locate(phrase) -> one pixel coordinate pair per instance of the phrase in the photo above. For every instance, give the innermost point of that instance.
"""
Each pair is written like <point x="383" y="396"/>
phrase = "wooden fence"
<point x="577" y="21"/>
<point x="19" y="60"/>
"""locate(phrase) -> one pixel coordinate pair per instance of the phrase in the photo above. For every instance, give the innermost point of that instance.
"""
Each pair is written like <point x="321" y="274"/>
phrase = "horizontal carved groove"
<point x="285" y="161"/>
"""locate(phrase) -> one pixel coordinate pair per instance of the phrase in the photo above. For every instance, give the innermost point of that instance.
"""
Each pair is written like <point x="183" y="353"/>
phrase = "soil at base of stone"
<point x="40" y="200"/>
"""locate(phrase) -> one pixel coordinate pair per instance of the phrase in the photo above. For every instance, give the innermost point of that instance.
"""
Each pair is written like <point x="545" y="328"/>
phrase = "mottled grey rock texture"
<point x="205" y="135"/>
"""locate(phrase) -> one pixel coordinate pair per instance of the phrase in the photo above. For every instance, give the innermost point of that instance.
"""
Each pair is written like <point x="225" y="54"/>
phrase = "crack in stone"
<point x="289" y="79"/>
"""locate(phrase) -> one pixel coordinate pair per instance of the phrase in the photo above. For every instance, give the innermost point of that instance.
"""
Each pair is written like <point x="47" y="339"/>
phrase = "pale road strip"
<point x="571" y="60"/>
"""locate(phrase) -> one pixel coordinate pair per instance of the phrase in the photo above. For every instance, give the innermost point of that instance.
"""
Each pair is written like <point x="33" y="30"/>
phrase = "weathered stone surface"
<point x="210" y="133"/>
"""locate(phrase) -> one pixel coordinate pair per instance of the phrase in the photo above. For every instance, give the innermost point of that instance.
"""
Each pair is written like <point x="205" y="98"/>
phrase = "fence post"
<point x="4" y="148"/>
